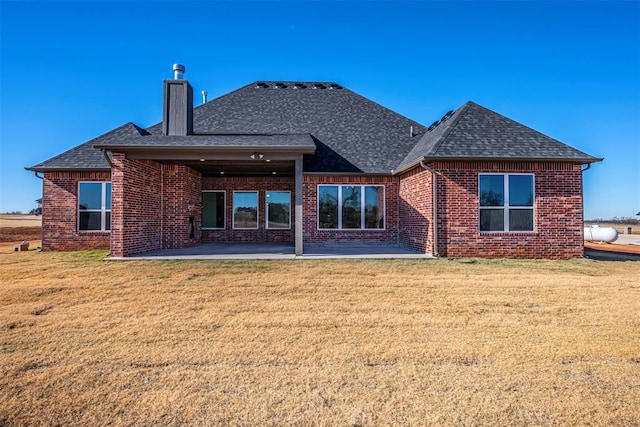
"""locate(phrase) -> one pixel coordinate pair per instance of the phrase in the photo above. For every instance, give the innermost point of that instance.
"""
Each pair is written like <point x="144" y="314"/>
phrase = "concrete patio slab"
<point x="265" y="251"/>
<point x="362" y="251"/>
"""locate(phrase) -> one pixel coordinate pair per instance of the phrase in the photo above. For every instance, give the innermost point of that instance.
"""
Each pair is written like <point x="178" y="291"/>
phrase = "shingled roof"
<point x="474" y="132"/>
<point x="85" y="156"/>
<point x="350" y="134"/>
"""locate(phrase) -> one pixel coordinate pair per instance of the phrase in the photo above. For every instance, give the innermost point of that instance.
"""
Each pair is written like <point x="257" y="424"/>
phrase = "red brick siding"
<point x="151" y="206"/>
<point x="416" y="210"/>
<point x="136" y="206"/>
<point x="261" y="185"/>
<point x="60" y="213"/>
<point x="313" y="236"/>
<point x="557" y="212"/>
<point x="181" y="200"/>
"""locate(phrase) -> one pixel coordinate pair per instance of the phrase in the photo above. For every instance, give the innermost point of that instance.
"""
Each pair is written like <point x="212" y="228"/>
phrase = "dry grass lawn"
<point x="351" y="342"/>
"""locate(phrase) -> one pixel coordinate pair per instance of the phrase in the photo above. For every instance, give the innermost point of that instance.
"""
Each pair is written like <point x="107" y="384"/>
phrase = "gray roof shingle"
<point x="351" y="134"/>
<point x="85" y="156"/>
<point x="475" y="132"/>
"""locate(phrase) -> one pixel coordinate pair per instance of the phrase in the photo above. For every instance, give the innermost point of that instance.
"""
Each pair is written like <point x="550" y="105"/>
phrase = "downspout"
<point x="162" y="207"/>
<point x="42" y="207"/>
<point x="435" y="207"/>
<point x="582" y="198"/>
<point x="107" y="158"/>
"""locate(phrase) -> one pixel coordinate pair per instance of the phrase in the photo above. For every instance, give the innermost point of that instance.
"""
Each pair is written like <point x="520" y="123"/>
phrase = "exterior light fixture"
<point x="257" y="155"/>
<point x="202" y="160"/>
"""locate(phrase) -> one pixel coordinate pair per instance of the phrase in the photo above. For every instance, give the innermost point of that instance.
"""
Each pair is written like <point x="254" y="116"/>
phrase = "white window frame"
<point x="233" y="210"/>
<point x="224" y="209"/>
<point x="505" y="206"/>
<point x="266" y="210"/>
<point x="103" y="207"/>
<point x="362" y="207"/>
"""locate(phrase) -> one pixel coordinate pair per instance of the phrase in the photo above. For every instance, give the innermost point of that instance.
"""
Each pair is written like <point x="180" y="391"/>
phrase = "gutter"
<point x="582" y="161"/>
<point x="435" y="207"/>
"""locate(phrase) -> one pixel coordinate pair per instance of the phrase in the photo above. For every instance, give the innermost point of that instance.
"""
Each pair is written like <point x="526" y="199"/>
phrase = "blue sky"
<point x="71" y="71"/>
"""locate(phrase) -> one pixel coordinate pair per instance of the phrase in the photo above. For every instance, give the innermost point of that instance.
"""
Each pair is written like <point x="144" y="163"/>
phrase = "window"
<point x="213" y="209"/>
<point x="245" y="209"/>
<point x="506" y="202"/>
<point x="94" y="206"/>
<point x="278" y="209"/>
<point x="328" y="206"/>
<point x="351" y="207"/>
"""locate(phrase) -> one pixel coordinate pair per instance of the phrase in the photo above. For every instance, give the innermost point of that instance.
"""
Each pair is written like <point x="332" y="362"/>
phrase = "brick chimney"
<point x="177" y="109"/>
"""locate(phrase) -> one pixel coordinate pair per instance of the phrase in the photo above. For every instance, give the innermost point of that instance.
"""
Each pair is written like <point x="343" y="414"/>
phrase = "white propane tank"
<point x="595" y="233"/>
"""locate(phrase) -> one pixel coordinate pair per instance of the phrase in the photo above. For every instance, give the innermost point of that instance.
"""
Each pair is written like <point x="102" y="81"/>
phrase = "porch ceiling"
<point x="240" y="167"/>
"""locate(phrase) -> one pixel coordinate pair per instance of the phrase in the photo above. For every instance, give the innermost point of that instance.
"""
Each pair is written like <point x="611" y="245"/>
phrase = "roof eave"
<point x="408" y="167"/>
<point x="209" y="148"/>
<point x="578" y="160"/>
<point x="63" y="169"/>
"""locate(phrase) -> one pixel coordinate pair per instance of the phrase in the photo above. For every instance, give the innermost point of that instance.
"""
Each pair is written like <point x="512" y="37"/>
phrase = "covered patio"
<point x="158" y="182"/>
<point x="272" y="251"/>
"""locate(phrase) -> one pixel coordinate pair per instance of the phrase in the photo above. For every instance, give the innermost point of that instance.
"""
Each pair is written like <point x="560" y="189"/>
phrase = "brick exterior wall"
<point x="558" y="220"/>
<point x="181" y="201"/>
<point x="416" y="210"/>
<point x="261" y="185"/>
<point x="136" y="206"/>
<point x="60" y="213"/>
<point x="315" y="237"/>
<point x="152" y="204"/>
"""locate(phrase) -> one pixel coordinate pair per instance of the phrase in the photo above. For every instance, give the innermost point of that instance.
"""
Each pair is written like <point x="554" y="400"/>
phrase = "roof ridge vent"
<point x="446" y="116"/>
<point x="318" y="86"/>
<point x="299" y="85"/>
<point x="261" y="85"/>
<point x="433" y="125"/>
<point x="334" y="86"/>
<point x="279" y="85"/>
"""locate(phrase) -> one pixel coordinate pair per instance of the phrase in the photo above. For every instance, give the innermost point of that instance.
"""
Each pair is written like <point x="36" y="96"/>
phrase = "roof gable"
<point x="475" y="132"/>
<point x="85" y="156"/>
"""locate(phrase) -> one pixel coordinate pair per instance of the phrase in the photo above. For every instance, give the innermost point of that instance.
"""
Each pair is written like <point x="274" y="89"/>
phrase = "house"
<point x="313" y="163"/>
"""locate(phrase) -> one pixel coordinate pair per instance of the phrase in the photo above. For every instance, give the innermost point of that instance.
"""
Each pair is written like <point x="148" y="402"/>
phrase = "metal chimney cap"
<point x="178" y="71"/>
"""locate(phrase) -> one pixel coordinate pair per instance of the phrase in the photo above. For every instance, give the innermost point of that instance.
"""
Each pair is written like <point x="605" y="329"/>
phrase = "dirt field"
<point x="620" y="228"/>
<point x="353" y="342"/>
<point x="16" y="228"/>
<point x="20" y="221"/>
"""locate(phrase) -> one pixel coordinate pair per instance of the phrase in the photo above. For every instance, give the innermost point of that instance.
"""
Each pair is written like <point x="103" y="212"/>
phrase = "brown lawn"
<point x="353" y="342"/>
